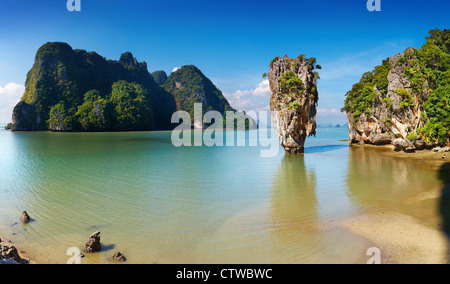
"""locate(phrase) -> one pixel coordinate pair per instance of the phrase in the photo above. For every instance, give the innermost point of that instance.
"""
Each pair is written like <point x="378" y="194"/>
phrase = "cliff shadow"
<point x="444" y="204"/>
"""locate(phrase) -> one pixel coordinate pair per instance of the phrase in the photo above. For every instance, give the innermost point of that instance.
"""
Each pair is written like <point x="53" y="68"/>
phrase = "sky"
<point x="232" y="42"/>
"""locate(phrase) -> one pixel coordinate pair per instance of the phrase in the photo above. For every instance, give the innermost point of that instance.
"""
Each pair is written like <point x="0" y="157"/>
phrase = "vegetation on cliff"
<point x="76" y="90"/>
<point x="57" y="87"/>
<point x="190" y="86"/>
<point x="424" y="90"/>
<point x="160" y="77"/>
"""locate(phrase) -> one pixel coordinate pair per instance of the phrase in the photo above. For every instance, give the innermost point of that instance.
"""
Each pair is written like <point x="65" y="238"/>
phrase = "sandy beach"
<point x="401" y="238"/>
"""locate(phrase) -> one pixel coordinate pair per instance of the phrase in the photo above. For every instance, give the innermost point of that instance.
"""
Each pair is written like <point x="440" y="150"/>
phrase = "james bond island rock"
<point x="405" y="100"/>
<point x="93" y="244"/>
<point x="76" y="90"/>
<point x="294" y="100"/>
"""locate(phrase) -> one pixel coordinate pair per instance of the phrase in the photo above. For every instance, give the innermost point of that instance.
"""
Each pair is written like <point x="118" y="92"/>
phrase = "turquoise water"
<point x="156" y="203"/>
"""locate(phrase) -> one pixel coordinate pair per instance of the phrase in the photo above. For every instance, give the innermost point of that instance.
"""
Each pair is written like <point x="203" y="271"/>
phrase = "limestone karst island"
<point x="142" y="132"/>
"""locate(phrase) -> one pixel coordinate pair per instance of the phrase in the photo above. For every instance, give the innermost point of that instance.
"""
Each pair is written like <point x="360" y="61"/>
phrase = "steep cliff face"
<point x="62" y="77"/>
<point x="405" y="100"/>
<point x="294" y="100"/>
<point x="395" y="111"/>
<point x="76" y="90"/>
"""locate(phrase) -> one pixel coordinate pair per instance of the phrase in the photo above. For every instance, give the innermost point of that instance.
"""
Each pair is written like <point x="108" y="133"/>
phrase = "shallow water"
<point x="156" y="203"/>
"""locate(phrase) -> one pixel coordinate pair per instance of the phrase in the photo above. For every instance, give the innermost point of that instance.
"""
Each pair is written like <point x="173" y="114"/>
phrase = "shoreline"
<point x="433" y="159"/>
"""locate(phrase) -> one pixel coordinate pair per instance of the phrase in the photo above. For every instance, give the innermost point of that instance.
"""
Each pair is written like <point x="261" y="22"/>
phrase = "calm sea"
<point x="156" y="203"/>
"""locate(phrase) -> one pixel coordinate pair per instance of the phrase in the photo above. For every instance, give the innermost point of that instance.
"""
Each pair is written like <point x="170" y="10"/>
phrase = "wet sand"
<point x="401" y="238"/>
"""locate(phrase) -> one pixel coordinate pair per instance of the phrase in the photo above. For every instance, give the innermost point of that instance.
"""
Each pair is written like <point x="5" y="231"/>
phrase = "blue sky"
<point x="232" y="42"/>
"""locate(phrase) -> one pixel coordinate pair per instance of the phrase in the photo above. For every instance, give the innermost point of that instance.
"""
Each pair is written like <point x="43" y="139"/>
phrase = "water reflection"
<point x="308" y="195"/>
<point x="377" y="181"/>
<point x="294" y="201"/>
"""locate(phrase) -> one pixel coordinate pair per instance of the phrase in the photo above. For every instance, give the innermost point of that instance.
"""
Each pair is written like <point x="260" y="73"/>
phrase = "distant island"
<point x="405" y="101"/>
<point x="76" y="90"/>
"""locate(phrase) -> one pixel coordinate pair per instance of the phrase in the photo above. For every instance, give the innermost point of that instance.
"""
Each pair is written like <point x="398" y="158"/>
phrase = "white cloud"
<point x="263" y="89"/>
<point x="175" y="69"/>
<point x="256" y="99"/>
<point x="10" y="95"/>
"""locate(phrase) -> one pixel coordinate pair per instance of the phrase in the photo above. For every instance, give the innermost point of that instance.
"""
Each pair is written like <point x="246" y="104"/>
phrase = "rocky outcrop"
<point x="63" y="76"/>
<point x="25" y="218"/>
<point x="93" y="244"/>
<point x="25" y="117"/>
<point x="190" y="86"/>
<point x="441" y="149"/>
<point x="9" y="254"/>
<point x="73" y="90"/>
<point x="395" y="113"/>
<point x="118" y="257"/>
<point x="404" y="101"/>
<point x="294" y="100"/>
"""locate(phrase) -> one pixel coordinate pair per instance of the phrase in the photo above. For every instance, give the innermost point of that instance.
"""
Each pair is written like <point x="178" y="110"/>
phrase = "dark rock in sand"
<point x="25" y="218"/>
<point x="420" y="145"/>
<point x="118" y="257"/>
<point x="410" y="149"/>
<point x="9" y="252"/>
<point x="93" y="244"/>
